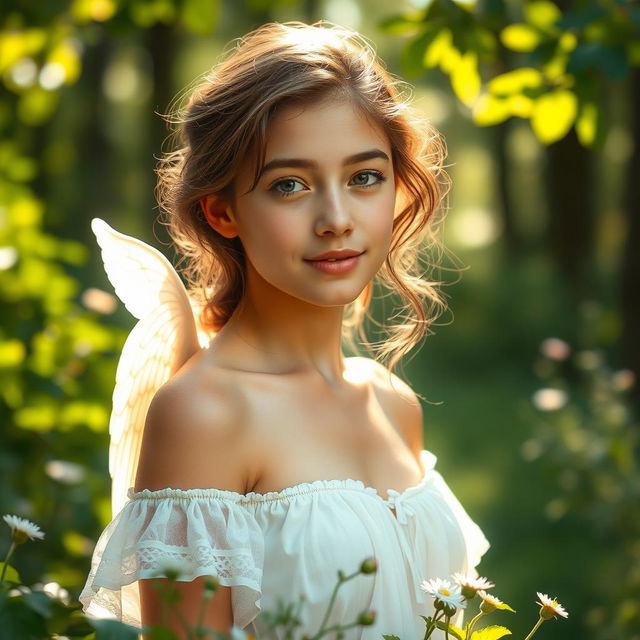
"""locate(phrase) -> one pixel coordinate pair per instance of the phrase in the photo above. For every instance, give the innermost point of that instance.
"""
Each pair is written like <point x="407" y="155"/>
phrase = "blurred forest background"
<point x="530" y="380"/>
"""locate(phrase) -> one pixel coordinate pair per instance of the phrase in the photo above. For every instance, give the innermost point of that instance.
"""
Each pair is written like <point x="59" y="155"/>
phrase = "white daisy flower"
<point x="471" y="585"/>
<point x="491" y="603"/>
<point x="550" y="607"/>
<point x="490" y="599"/>
<point x="173" y="568"/>
<point x="444" y="591"/>
<point x="23" y="530"/>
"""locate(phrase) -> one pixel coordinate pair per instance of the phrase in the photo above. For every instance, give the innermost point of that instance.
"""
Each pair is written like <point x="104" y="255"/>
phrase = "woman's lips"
<point x="335" y="266"/>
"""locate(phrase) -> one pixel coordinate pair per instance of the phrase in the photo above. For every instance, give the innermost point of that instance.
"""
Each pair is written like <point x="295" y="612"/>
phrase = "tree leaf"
<point x="591" y="124"/>
<point x="465" y="78"/>
<point x="515" y="81"/>
<point x="200" y="16"/>
<point x="520" y="37"/>
<point x="586" y="123"/>
<point x="542" y="14"/>
<point x="521" y="106"/>
<point x="553" y="114"/>
<point x="579" y="18"/>
<point x="482" y="41"/>
<point x="440" y="45"/>
<point x="406" y="24"/>
<point x="412" y="58"/>
<point x="67" y="56"/>
<point x="489" y="110"/>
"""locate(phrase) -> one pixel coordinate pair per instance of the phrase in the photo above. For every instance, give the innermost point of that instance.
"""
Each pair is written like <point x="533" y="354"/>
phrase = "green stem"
<point x="540" y="621"/>
<point x="337" y="627"/>
<point x="295" y="621"/>
<point x="446" y="631"/>
<point x="331" y="603"/>
<point x="432" y="625"/>
<point x="172" y="608"/>
<point x="206" y="596"/>
<point x="12" y="548"/>
<point x="470" y="625"/>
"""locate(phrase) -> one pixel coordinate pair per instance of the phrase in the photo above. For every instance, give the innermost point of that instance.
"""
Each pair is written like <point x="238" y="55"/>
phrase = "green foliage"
<point x="35" y="615"/>
<point x="58" y="352"/>
<point x="113" y="630"/>
<point x="591" y="445"/>
<point x="57" y="358"/>
<point x="564" y="60"/>
<point x="10" y="574"/>
<point x="32" y="613"/>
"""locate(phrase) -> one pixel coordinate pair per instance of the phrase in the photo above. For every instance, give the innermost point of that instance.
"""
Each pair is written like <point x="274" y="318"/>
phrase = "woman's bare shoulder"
<point x="385" y="381"/>
<point x="195" y="435"/>
<point x="397" y="398"/>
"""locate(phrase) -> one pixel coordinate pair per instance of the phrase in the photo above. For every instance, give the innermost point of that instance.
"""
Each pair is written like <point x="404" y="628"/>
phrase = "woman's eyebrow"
<point x="282" y="163"/>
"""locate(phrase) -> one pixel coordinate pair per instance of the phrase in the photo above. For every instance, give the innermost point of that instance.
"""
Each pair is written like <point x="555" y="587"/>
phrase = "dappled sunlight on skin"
<point x="357" y="371"/>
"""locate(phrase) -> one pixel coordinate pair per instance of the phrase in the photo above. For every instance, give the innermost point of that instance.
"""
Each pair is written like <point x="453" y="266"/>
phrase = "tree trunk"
<point x="571" y="216"/>
<point x="161" y="44"/>
<point x="493" y="14"/>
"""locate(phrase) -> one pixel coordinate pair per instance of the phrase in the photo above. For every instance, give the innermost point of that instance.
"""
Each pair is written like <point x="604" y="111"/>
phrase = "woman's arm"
<point x="189" y="442"/>
<point x="217" y="615"/>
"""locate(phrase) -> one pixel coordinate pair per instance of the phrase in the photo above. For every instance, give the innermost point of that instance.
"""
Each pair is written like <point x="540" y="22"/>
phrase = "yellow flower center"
<point x="444" y="592"/>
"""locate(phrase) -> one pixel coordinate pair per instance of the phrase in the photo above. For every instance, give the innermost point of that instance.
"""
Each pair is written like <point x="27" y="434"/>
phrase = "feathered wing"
<point x="165" y="337"/>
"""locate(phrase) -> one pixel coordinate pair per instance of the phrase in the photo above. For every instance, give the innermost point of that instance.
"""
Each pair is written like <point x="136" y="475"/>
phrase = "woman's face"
<point x="327" y="185"/>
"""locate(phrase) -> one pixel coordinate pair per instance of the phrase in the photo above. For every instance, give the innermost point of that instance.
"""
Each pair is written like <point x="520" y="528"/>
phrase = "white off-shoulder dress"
<point x="279" y="545"/>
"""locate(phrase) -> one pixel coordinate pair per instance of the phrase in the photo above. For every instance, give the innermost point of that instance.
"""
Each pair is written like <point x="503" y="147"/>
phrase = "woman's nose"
<point x="333" y="217"/>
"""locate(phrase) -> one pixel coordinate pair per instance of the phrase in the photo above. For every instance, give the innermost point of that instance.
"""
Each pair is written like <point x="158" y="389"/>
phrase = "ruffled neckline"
<point x="427" y="460"/>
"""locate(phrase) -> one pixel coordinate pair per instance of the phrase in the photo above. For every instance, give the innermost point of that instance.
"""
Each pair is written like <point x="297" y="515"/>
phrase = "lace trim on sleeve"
<point x="193" y="537"/>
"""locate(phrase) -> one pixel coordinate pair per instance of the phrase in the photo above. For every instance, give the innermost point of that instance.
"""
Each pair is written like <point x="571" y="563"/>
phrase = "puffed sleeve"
<point x="198" y="532"/>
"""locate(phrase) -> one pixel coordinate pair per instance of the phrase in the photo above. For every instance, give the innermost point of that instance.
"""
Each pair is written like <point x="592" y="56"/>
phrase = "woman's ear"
<point x="217" y="212"/>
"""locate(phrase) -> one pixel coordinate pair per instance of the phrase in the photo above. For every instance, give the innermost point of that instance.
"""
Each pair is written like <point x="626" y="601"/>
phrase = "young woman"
<point x="269" y="459"/>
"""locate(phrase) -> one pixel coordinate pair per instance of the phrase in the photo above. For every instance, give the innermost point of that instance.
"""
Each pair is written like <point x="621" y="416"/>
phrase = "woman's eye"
<point x="286" y="187"/>
<point x="368" y="178"/>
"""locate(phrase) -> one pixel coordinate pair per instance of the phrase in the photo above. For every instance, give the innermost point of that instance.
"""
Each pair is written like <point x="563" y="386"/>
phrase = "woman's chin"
<point x="337" y="299"/>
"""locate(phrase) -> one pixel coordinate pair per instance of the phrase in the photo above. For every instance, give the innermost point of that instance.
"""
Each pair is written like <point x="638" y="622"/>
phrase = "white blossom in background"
<point x="548" y="399"/>
<point x="64" y="471"/>
<point x="555" y="349"/>
<point x="589" y="359"/>
<point x="99" y="301"/>
<point x="623" y="379"/>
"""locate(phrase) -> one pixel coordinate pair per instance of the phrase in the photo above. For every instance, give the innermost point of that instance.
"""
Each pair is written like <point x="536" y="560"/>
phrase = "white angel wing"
<point x="166" y="336"/>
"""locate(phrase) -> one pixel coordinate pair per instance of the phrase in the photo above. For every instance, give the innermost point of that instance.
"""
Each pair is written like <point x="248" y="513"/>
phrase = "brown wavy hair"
<point x="226" y="116"/>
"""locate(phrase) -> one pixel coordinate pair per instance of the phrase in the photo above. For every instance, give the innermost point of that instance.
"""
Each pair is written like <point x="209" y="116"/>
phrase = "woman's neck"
<point x="273" y="332"/>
